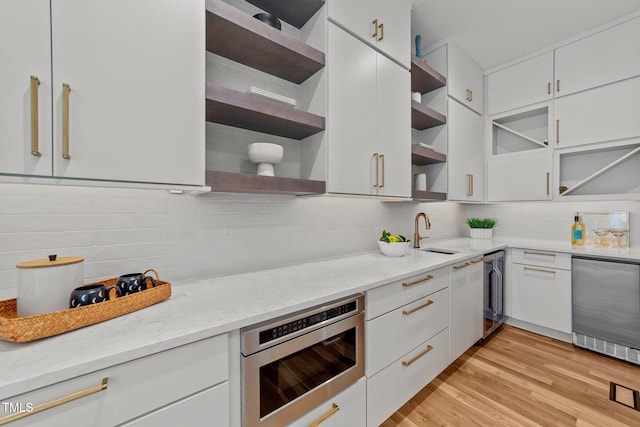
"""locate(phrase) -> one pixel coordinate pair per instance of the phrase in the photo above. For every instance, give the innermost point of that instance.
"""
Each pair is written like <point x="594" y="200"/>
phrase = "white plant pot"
<point x="481" y="233"/>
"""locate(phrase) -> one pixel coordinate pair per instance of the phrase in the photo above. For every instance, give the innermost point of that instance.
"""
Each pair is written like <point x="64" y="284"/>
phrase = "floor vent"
<point x="610" y="349"/>
<point x="624" y="396"/>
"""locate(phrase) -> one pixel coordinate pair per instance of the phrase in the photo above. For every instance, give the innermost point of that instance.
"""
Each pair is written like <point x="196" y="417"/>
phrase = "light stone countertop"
<point x="219" y="305"/>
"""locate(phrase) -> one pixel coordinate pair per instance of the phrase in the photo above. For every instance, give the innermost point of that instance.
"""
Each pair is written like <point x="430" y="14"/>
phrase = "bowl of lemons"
<point x="393" y="245"/>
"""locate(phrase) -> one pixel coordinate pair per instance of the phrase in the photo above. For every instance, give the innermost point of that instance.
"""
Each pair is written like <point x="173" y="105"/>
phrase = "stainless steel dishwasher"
<point x="606" y="306"/>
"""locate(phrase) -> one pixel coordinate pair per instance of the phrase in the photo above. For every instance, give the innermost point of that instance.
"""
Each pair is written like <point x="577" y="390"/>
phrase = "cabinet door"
<point x="394" y="37"/>
<point x="465" y="313"/>
<point x="355" y="15"/>
<point x="520" y="176"/>
<point x="465" y="154"/>
<point x="25" y="46"/>
<point x="352" y="114"/>
<point x="136" y="74"/>
<point x="522" y="84"/>
<point x="602" y="58"/>
<point x="542" y="296"/>
<point x="394" y="127"/>
<point x="465" y="80"/>
<point x="602" y="114"/>
<point x="349" y="410"/>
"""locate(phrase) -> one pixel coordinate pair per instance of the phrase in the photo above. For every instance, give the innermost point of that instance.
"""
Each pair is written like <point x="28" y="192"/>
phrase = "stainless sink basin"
<point x="439" y="251"/>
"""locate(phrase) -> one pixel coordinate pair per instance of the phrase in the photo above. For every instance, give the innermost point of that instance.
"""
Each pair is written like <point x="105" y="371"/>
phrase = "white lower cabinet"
<point x="465" y="314"/>
<point x="541" y="291"/>
<point x="392" y="387"/>
<point x="135" y="389"/>
<point x="347" y="409"/>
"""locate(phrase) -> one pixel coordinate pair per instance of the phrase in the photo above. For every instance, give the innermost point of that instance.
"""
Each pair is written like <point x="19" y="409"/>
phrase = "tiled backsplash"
<point x="186" y="237"/>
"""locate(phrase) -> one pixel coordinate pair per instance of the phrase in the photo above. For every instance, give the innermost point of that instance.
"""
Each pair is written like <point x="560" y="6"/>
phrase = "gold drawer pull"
<point x="335" y="408"/>
<point x="469" y="184"/>
<point x="375" y="26"/>
<point x="458" y="267"/>
<point x="420" y="307"/>
<point x="475" y="261"/>
<point x="66" y="89"/>
<point x="57" y="402"/>
<point x="35" y="150"/>
<point x="381" y="26"/>
<point x="548" y="88"/>
<point x="538" y="253"/>
<point x="411" y="361"/>
<point x="382" y="158"/>
<point x="377" y="157"/>
<point x="415" y="282"/>
<point x="540" y="270"/>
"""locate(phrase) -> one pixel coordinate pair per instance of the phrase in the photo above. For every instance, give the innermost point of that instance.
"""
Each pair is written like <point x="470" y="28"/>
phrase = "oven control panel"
<point x="291" y="327"/>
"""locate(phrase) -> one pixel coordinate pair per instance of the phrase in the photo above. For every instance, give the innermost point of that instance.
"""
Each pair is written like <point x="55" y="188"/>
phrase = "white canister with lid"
<point x="44" y="285"/>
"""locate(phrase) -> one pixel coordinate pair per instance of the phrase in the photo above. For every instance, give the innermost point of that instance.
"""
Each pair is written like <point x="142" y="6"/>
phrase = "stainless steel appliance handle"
<point x="500" y="292"/>
<point x="494" y="291"/>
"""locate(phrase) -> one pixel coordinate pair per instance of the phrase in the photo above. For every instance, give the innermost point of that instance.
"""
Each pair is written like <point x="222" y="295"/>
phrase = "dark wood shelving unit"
<point x="242" y="38"/>
<point x="421" y="156"/>
<point x="427" y="196"/>
<point x="424" y="78"/>
<point x="423" y="117"/>
<point x="294" y="12"/>
<point x="242" y="110"/>
<point x="228" y="182"/>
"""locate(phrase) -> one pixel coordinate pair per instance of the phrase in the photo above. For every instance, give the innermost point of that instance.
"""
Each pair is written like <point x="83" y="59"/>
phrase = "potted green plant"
<point x="481" y="228"/>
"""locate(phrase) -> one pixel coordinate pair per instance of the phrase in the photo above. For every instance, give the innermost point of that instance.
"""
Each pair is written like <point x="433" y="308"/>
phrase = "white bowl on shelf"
<point x="394" y="248"/>
<point x="265" y="155"/>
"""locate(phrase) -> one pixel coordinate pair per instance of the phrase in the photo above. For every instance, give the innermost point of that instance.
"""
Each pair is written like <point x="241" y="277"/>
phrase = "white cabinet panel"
<point x="522" y="84"/>
<point x="602" y="114"/>
<point x="465" y="154"/>
<point x="542" y="258"/>
<point x="465" y="314"/>
<point x="465" y="79"/>
<point x="25" y="46"/>
<point x="520" y="176"/>
<point x="542" y="296"/>
<point x="601" y="58"/>
<point x="349" y="410"/>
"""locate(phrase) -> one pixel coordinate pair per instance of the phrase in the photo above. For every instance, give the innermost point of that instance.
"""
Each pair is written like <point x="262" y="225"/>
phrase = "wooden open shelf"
<point x="294" y="12"/>
<point x="232" y="108"/>
<point x="421" y="156"/>
<point x="424" y="78"/>
<point x="423" y="117"/>
<point x="228" y="182"/>
<point x="242" y="38"/>
<point x="427" y="196"/>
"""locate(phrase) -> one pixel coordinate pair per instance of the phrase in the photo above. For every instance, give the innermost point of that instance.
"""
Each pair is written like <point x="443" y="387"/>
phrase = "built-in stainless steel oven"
<point x="295" y="363"/>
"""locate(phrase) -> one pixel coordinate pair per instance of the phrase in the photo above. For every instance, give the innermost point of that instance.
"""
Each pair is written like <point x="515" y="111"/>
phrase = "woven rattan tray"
<point x="30" y="328"/>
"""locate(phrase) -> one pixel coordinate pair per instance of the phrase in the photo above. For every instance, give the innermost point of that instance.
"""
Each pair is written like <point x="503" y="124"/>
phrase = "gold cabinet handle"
<point x="548" y="88"/>
<point x="375" y="26"/>
<point x="538" y="253"/>
<point x="558" y="85"/>
<point x="420" y="307"/>
<point x="57" y="402"/>
<point x="334" y="408"/>
<point x="381" y="26"/>
<point x="66" y="89"/>
<point x="458" y="267"/>
<point x="469" y="95"/>
<point x="542" y="270"/>
<point x="35" y="150"/>
<point x="469" y="184"/>
<point x="382" y="158"/>
<point x="415" y="282"/>
<point x="418" y="356"/>
<point x="475" y="261"/>
<point x="377" y="157"/>
<point x="558" y="131"/>
<point x="548" y="174"/>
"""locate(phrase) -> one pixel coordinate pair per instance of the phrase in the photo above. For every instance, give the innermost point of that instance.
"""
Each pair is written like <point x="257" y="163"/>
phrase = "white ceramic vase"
<point x="265" y="155"/>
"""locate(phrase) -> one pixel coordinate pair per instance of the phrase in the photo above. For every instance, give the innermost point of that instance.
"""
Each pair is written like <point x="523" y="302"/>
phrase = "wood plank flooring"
<point x="518" y="378"/>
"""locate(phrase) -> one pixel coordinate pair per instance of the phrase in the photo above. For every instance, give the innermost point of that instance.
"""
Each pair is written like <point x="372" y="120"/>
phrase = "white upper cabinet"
<point x="608" y="56"/>
<point x="25" y="84"/>
<point x="520" y="176"/>
<point x="525" y="83"/>
<point x="135" y="109"/>
<point x="465" y="154"/>
<point x="384" y="24"/>
<point x="465" y="79"/>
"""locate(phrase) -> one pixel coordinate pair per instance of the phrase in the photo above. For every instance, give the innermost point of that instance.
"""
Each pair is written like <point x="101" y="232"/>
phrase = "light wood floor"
<point x="517" y="378"/>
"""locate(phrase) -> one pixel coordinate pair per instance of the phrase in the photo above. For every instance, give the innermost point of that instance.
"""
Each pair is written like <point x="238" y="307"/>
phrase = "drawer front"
<point x="395" y="385"/>
<point x="389" y="297"/>
<point x="209" y="407"/>
<point x="395" y="333"/>
<point x="134" y="388"/>
<point x="542" y="258"/>
<point x="349" y="411"/>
